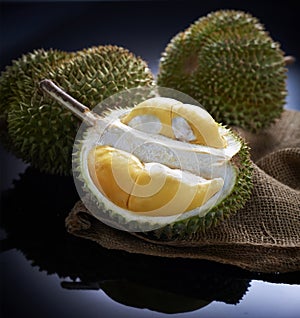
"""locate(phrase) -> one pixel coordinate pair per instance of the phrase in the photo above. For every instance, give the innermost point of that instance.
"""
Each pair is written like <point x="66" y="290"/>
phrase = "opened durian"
<point x="162" y="167"/>
<point x="39" y="129"/>
<point x="229" y="63"/>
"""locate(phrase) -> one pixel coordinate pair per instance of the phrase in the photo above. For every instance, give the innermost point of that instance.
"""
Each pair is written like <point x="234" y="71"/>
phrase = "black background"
<point x="145" y="28"/>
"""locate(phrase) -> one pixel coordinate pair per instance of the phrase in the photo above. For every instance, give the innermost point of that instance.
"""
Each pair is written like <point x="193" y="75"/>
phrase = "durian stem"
<point x="289" y="60"/>
<point x="67" y="101"/>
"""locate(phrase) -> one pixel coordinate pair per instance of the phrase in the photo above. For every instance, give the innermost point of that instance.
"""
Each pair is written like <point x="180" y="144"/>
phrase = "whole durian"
<point x="162" y="167"/>
<point x="42" y="132"/>
<point x="19" y="81"/>
<point x="229" y="63"/>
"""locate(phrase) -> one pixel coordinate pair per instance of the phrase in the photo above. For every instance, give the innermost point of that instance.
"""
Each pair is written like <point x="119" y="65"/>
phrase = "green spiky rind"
<point x="229" y="63"/>
<point x="43" y="131"/>
<point x="30" y="127"/>
<point x="186" y="229"/>
<point x="18" y="82"/>
<point x="100" y="72"/>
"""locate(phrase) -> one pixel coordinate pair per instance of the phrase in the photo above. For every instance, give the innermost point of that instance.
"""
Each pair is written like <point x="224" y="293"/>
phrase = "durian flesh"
<point x="141" y="180"/>
<point x="151" y="188"/>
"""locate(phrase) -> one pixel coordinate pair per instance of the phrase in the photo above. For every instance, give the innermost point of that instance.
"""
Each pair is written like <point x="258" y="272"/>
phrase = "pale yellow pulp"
<point x="151" y="189"/>
<point x="205" y="129"/>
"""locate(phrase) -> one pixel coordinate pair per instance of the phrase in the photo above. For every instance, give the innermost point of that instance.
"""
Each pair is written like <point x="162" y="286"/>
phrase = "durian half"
<point x="184" y="174"/>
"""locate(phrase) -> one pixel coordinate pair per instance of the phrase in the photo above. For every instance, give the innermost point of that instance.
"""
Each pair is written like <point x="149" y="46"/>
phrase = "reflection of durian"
<point x="162" y="180"/>
<point x="229" y="63"/>
<point x="36" y="228"/>
<point x="37" y="205"/>
<point x="19" y="82"/>
<point x="41" y="131"/>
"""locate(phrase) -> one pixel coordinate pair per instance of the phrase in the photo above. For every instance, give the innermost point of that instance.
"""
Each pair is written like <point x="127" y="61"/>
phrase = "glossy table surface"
<point x="45" y="272"/>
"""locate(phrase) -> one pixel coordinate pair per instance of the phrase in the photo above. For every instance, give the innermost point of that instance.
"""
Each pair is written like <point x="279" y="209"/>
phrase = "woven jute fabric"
<point x="264" y="236"/>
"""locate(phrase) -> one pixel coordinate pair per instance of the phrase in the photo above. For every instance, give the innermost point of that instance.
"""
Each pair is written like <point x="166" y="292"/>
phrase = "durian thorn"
<point x="67" y="101"/>
<point x="289" y="60"/>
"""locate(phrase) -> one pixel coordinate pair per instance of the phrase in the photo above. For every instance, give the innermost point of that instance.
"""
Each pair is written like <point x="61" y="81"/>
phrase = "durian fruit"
<point x="229" y="63"/>
<point x="19" y="82"/>
<point x="42" y="132"/>
<point x="145" y="181"/>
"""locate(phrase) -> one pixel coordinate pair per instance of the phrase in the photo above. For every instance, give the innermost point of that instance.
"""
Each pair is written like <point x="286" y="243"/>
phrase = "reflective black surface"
<point x="45" y="272"/>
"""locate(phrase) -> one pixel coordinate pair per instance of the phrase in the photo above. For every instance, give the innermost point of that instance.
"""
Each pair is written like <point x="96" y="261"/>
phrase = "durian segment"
<point x="151" y="189"/>
<point x="177" y="121"/>
<point x="161" y="191"/>
<point x="204" y="127"/>
<point x="114" y="173"/>
<point x="158" y="107"/>
<point x="197" y="159"/>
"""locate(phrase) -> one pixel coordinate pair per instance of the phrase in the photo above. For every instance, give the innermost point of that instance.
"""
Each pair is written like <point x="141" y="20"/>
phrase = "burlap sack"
<point x="264" y="236"/>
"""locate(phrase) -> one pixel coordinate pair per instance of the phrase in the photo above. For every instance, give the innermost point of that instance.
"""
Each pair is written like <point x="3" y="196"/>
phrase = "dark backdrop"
<point x="144" y="27"/>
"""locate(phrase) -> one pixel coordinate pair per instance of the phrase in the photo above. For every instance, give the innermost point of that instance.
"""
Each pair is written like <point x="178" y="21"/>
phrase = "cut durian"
<point x="148" y="182"/>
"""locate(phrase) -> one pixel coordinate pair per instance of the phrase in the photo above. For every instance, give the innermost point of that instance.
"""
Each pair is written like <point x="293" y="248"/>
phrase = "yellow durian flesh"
<point x="113" y="173"/>
<point x="150" y="189"/>
<point x="198" y="123"/>
<point x="160" y="108"/>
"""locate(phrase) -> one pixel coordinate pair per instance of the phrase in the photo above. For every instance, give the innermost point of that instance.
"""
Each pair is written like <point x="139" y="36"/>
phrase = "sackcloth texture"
<point x="264" y="236"/>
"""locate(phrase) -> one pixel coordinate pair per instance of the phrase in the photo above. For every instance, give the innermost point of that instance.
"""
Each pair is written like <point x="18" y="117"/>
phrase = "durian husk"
<point x="19" y="82"/>
<point x="229" y="64"/>
<point x="41" y="130"/>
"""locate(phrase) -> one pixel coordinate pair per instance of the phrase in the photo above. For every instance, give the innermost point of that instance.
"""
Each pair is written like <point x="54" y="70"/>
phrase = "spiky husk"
<point x="19" y="81"/>
<point x="100" y="72"/>
<point x="229" y="63"/>
<point x="43" y="131"/>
